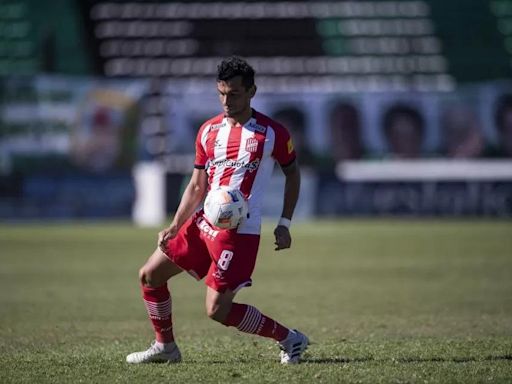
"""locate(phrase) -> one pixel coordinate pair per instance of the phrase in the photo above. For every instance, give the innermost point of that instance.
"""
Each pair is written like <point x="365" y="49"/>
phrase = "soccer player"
<point x="237" y="148"/>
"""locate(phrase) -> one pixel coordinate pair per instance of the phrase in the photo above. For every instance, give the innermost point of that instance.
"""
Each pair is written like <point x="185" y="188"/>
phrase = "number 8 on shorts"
<point x="225" y="259"/>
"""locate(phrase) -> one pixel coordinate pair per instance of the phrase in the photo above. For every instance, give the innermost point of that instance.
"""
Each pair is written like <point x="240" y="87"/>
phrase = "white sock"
<point x="160" y="346"/>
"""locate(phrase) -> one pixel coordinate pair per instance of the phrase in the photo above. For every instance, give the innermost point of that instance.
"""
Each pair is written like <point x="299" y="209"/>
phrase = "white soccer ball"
<point x="225" y="208"/>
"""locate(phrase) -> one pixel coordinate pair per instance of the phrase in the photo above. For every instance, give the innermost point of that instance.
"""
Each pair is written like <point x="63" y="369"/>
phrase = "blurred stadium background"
<point x="396" y="107"/>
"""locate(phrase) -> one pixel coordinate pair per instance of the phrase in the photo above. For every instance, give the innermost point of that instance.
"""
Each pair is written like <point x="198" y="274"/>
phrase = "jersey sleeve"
<point x="283" y="152"/>
<point x="201" y="157"/>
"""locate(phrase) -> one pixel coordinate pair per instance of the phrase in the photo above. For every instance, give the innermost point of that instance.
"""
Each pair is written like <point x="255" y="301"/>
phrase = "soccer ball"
<point x="225" y="208"/>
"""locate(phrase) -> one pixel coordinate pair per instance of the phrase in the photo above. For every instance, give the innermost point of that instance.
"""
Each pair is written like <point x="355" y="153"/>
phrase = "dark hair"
<point x="402" y="110"/>
<point x="235" y="66"/>
<point x="503" y="103"/>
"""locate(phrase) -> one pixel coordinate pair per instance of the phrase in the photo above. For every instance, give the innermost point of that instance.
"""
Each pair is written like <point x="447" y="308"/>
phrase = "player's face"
<point x="235" y="97"/>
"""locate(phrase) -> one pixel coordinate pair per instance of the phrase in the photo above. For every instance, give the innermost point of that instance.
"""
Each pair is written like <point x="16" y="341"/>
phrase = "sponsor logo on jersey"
<point x="257" y="127"/>
<point x="251" y="145"/>
<point x="290" y="146"/>
<point x="215" y="127"/>
<point x="206" y="229"/>
<point x="230" y="163"/>
<point x="218" y="274"/>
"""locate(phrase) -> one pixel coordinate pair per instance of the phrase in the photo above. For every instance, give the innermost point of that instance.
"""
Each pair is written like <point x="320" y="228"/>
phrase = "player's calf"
<point x="218" y="305"/>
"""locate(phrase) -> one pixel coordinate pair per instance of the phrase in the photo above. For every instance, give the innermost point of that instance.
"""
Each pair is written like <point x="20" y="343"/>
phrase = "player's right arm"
<point x="192" y="197"/>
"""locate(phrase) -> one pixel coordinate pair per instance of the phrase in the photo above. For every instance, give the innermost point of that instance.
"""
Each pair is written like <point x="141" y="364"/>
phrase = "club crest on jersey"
<point x="251" y="145"/>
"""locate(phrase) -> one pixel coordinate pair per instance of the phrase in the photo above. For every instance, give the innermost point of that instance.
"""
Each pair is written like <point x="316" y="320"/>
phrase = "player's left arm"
<point x="291" y="195"/>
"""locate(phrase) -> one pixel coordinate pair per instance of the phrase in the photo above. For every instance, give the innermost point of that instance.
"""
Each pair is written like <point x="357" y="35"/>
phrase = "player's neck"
<point x="241" y="118"/>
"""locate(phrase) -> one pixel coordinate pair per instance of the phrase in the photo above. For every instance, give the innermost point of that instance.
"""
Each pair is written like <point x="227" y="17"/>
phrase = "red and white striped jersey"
<point x="243" y="157"/>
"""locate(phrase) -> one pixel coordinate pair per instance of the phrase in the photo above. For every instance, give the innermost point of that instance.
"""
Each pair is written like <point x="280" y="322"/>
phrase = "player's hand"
<point x="166" y="235"/>
<point x="283" y="237"/>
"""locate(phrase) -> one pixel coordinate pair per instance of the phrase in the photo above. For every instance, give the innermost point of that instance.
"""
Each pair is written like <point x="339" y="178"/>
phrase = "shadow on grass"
<point x="348" y="360"/>
<point x="354" y="360"/>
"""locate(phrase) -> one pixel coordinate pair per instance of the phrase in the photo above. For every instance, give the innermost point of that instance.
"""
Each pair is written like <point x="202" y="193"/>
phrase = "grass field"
<point x="399" y="301"/>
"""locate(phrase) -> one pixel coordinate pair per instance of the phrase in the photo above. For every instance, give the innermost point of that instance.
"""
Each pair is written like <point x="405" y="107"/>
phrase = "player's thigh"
<point x="233" y="259"/>
<point x="158" y="269"/>
<point x="188" y="249"/>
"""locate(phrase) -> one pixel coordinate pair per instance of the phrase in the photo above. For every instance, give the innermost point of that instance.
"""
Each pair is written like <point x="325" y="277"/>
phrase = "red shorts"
<point x="225" y="257"/>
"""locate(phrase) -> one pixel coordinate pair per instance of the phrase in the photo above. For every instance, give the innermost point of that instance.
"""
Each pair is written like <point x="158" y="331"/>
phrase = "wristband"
<point x="285" y="222"/>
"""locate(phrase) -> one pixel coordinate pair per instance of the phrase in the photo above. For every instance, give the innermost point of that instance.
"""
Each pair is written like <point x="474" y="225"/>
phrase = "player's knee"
<point x="142" y="276"/>
<point x="212" y="311"/>
<point x="147" y="278"/>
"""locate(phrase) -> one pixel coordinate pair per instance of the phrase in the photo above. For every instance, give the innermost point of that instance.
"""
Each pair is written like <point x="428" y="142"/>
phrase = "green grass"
<point x="398" y="301"/>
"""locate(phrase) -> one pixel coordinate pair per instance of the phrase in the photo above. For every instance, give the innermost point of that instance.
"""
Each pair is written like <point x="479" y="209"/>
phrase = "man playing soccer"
<point x="238" y="149"/>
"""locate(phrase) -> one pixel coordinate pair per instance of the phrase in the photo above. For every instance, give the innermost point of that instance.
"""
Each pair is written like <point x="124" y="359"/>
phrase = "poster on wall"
<point x="67" y="146"/>
<point x="52" y="123"/>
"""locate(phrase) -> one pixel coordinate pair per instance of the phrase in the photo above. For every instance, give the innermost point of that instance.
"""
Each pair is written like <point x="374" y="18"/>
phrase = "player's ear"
<point x="253" y="90"/>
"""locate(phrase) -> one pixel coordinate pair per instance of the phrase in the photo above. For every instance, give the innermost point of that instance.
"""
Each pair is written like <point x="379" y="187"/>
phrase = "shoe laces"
<point x="153" y="349"/>
<point x="288" y="342"/>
